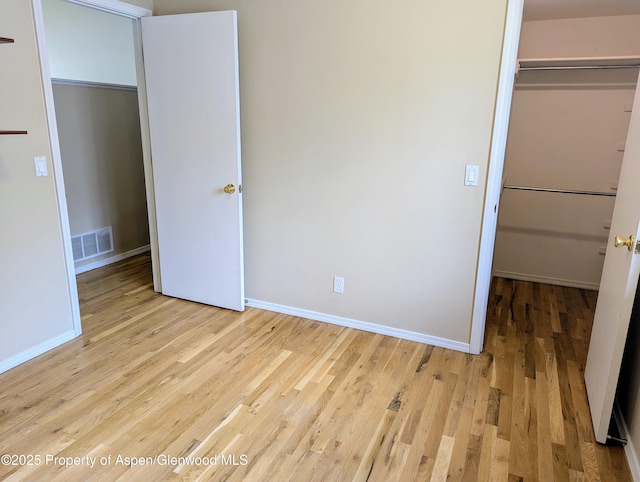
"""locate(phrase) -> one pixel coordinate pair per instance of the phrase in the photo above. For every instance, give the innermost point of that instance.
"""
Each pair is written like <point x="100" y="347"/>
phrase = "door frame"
<point x="493" y="190"/>
<point x="135" y="13"/>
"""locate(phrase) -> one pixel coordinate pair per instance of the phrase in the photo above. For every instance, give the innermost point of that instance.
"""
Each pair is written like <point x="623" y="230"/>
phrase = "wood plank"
<point x="487" y="452"/>
<point x="500" y="461"/>
<point x="441" y="467"/>
<point x="543" y="442"/>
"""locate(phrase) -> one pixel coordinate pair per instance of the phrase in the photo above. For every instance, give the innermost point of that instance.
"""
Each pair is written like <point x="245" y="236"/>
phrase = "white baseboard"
<point x="113" y="259"/>
<point x="360" y="325"/>
<point x="35" y="351"/>
<point x="629" y="449"/>
<point x="548" y="280"/>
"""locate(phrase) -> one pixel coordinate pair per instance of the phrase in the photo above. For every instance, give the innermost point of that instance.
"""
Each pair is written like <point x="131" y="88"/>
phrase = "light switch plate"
<point x="40" y="163"/>
<point x="471" y="175"/>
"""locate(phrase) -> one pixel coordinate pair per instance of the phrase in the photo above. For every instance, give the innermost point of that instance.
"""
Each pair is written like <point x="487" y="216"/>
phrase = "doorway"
<point x="91" y="55"/>
<point x="590" y="97"/>
<point x="92" y="61"/>
<point x="567" y="132"/>
<point x="133" y="13"/>
<point x="568" y="43"/>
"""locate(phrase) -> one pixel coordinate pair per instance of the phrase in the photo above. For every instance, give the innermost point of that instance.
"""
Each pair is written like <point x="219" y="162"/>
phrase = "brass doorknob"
<point x="229" y="189"/>
<point x="628" y="242"/>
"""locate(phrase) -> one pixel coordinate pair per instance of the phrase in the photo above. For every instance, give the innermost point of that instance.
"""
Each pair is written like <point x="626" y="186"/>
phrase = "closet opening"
<point x="567" y="131"/>
<point x="574" y="100"/>
<point x="91" y="57"/>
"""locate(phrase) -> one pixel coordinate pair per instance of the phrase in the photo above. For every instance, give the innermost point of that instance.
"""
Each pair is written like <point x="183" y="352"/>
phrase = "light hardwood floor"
<point x="269" y="397"/>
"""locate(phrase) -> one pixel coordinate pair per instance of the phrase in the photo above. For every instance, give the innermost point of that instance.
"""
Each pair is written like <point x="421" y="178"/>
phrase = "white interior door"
<point x="617" y="287"/>
<point x="191" y="69"/>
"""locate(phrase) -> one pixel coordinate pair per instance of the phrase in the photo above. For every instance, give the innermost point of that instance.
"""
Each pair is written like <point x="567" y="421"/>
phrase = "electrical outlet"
<point x="338" y="284"/>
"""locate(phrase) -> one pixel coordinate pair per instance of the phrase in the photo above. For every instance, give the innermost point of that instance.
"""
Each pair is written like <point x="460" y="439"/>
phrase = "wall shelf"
<point x="7" y="40"/>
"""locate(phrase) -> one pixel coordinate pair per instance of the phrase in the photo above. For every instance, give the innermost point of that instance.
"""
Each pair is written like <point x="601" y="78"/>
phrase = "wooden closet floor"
<point x="163" y="389"/>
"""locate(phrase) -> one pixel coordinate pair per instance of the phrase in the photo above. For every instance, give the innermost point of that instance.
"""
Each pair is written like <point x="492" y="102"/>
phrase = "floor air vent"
<point x="94" y="243"/>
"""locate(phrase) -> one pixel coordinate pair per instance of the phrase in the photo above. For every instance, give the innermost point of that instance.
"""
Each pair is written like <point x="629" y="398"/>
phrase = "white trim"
<point x="629" y="449"/>
<point x="494" y="175"/>
<point x="116" y="7"/>
<point x="37" y="350"/>
<point x="360" y="325"/>
<point x="56" y="163"/>
<point x="585" y="285"/>
<point x="113" y="259"/>
<point x="146" y="155"/>
<point x="97" y="85"/>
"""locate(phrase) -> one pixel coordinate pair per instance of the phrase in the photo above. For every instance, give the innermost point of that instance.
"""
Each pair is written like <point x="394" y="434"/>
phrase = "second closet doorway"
<point x="567" y="132"/>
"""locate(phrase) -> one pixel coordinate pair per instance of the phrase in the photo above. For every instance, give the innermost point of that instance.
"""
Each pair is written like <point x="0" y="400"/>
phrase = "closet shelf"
<point x="6" y="40"/>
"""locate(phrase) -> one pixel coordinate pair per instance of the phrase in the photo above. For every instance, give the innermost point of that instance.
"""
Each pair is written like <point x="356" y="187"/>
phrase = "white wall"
<point x="357" y="121"/>
<point x="89" y="45"/>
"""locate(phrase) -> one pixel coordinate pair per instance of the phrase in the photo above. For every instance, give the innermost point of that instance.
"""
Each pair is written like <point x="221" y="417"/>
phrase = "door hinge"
<point x="620" y="440"/>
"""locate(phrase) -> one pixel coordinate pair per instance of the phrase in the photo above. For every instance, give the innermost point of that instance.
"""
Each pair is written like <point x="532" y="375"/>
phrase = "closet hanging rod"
<point x="578" y="67"/>
<point x="561" y="191"/>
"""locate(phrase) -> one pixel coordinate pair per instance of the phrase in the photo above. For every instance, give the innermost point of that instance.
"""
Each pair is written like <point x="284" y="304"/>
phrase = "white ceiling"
<point x="550" y="9"/>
